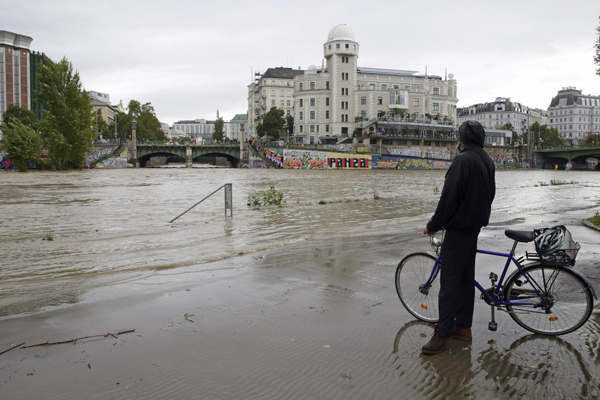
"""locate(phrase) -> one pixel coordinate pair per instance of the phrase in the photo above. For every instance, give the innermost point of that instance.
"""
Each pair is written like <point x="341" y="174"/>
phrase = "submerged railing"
<point x="228" y="202"/>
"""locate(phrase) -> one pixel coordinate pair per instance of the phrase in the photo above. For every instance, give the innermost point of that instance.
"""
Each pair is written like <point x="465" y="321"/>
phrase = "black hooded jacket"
<point x="469" y="186"/>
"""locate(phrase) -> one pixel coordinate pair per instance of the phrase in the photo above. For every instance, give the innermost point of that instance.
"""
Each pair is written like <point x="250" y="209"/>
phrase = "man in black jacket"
<point x="464" y="207"/>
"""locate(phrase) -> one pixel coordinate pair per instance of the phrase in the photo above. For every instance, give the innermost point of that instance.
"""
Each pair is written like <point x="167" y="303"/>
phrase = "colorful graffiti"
<point x="348" y="161"/>
<point x="254" y="160"/>
<point x="275" y="155"/>
<point x="305" y="159"/>
<point x="112" y="162"/>
<point x="391" y="162"/>
<point x="5" y="163"/>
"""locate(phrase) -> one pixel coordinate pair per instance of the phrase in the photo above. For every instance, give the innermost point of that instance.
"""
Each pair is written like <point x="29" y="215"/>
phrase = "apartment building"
<point x="574" y="115"/>
<point x="15" y="85"/>
<point x="328" y="101"/>
<point x="502" y="111"/>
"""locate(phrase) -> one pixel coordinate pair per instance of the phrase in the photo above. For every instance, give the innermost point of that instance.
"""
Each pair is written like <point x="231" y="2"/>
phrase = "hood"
<point x="471" y="133"/>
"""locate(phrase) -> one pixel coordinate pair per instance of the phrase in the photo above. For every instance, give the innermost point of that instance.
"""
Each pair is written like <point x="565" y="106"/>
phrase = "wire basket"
<point x="563" y="255"/>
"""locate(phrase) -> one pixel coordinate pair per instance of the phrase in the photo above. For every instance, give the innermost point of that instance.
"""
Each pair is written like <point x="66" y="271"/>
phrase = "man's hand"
<point x="426" y="232"/>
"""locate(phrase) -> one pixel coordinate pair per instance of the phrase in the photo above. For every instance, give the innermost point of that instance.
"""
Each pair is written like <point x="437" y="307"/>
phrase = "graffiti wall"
<point x="348" y="161"/>
<point x="5" y="163"/>
<point x="254" y="161"/>
<point x="275" y="155"/>
<point x="305" y="159"/>
<point x="393" y="162"/>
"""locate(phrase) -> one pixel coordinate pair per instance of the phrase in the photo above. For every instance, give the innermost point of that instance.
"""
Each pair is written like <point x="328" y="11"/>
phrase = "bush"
<point x="268" y="197"/>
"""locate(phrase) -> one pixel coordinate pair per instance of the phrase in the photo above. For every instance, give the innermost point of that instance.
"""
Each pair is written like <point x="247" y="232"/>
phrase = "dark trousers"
<point x="457" y="280"/>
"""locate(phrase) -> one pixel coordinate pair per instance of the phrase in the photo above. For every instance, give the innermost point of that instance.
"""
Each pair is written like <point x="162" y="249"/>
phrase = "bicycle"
<point x="543" y="295"/>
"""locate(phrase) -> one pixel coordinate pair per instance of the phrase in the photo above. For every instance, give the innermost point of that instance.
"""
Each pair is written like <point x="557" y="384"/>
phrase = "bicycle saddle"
<point x="520" y="236"/>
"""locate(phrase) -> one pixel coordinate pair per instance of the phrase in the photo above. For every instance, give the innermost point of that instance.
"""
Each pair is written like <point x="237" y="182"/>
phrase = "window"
<point x="396" y="86"/>
<point x="326" y="128"/>
<point x="313" y="85"/>
<point x="281" y="103"/>
<point x="273" y="83"/>
<point x="288" y="93"/>
<point x="288" y="103"/>
<point x="347" y="46"/>
<point x="301" y="115"/>
<point x="380" y="100"/>
<point x="407" y="87"/>
<point x="312" y="102"/>
<point x="301" y="86"/>
<point x="301" y="102"/>
<point x="326" y="114"/>
<point x="281" y="93"/>
<point x="363" y="113"/>
<point x="312" y="129"/>
<point x="342" y="105"/>
<point x="384" y="86"/>
<point x="272" y="93"/>
<point x="436" y="91"/>
<point x="337" y="46"/>
<point x="327" y="85"/>
<point x="372" y="86"/>
<point x="273" y="102"/>
<point x="327" y="101"/>
<point x="312" y="115"/>
<point x="416" y="104"/>
<point x="363" y="100"/>
<point x="301" y="128"/>
<point x="436" y="106"/>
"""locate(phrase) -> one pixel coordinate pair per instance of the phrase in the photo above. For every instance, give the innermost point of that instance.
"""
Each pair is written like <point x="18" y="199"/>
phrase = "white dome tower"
<point x="341" y="53"/>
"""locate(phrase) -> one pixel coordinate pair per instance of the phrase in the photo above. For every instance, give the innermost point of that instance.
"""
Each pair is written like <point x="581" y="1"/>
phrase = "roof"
<point x="240" y="117"/>
<point x="282" y="72"/>
<point x="340" y="32"/>
<point x="392" y="72"/>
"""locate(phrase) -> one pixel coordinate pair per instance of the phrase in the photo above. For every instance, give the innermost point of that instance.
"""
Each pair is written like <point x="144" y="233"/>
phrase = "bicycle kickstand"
<point x="492" y="326"/>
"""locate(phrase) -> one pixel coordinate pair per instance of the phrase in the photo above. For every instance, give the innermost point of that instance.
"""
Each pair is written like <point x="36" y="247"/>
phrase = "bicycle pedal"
<point x="493" y="326"/>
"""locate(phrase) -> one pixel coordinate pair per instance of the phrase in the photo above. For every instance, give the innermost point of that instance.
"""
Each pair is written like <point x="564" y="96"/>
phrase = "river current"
<point x="63" y="234"/>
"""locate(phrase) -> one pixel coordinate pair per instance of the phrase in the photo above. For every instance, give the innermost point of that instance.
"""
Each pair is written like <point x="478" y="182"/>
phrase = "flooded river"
<point x="65" y="233"/>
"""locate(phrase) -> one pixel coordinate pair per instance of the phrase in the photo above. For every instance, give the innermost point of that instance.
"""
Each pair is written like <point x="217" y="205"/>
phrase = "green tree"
<point x="542" y="135"/>
<point x="592" y="138"/>
<point x="19" y="114"/>
<point x="597" y="46"/>
<point x="289" y="121"/>
<point x="67" y="125"/>
<point x="101" y="126"/>
<point x="147" y="124"/>
<point x="219" y="125"/>
<point x="22" y="143"/>
<point x="272" y="124"/>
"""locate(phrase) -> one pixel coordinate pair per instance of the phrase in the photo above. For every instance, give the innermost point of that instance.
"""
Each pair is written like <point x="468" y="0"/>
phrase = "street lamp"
<point x="133" y="126"/>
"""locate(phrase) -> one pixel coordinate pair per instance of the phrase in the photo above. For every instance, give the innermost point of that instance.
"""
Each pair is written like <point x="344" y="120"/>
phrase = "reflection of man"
<point x="464" y="207"/>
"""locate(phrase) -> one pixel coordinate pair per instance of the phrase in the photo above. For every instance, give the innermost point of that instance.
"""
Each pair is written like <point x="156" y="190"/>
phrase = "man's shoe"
<point x="436" y="345"/>
<point x="463" y="334"/>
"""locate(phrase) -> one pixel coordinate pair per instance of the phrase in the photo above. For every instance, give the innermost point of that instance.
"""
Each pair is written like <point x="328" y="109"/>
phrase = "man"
<point x="464" y="207"/>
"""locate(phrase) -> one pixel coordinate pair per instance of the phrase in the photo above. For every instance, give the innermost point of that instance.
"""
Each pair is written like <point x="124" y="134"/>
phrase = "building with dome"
<point x="329" y="102"/>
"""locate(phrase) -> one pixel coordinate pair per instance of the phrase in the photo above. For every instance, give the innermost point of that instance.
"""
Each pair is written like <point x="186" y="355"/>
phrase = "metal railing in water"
<point x="228" y="202"/>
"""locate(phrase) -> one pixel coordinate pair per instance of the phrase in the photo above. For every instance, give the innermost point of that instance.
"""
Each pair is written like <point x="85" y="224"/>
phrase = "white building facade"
<point x="501" y="112"/>
<point x="331" y="101"/>
<point x="574" y="115"/>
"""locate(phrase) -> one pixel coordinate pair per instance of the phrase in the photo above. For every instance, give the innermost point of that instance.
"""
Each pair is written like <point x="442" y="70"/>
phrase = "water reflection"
<point x="531" y="367"/>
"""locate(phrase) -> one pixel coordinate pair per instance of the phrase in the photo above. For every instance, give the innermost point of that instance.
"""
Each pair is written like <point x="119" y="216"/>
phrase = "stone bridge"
<point x="575" y="155"/>
<point x="189" y="152"/>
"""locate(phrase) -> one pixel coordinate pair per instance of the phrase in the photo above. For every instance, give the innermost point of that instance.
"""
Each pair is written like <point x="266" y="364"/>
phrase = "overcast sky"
<point x="192" y="58"/>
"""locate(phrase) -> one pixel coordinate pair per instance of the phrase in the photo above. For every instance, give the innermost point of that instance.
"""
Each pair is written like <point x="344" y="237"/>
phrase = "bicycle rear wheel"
<point x="412" y="274"/>
<point x="567" y="298"/>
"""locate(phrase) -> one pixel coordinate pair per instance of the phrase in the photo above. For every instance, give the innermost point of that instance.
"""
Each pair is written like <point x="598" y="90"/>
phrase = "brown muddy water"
<point x="111" y="237"/>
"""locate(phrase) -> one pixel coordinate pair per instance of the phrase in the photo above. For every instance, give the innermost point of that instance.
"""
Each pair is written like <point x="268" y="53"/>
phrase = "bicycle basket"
<point x="555" y="246"/>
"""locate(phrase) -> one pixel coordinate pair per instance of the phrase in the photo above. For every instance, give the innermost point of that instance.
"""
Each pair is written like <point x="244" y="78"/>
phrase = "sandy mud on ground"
<point x="317" y="320"/>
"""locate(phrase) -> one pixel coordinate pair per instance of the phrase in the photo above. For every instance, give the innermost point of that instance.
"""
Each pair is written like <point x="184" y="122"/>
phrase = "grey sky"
<point x="192" y="58"/>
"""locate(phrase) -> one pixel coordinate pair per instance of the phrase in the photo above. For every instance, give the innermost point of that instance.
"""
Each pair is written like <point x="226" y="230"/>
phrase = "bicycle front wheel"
<point x="564" y="302"/>
<point x="418" y="296"/>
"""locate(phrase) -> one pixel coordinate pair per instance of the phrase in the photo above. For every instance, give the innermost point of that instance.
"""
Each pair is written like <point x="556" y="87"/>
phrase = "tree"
<point x="147" y="124"/>
<point x="100" y="125"/>
<point x="597" y="46"/>
<point x="542" y="135"/>
<point x="592" y="138"/>
<point x="22" y="143"/>
<point x="289" y="121"/>
<point x="219" y="125"/>
<point x="14" y="112"/>
<point x="272" y="124"/>
<point x="67" y="125"/>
